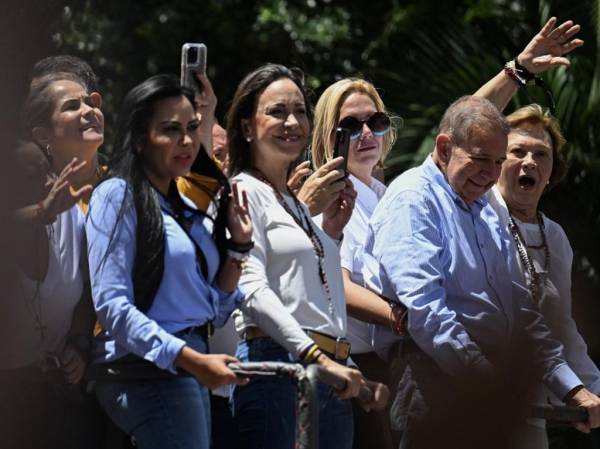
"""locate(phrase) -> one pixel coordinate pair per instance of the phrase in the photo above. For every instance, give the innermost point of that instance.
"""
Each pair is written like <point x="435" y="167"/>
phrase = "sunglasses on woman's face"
<point x="379" y="124"/>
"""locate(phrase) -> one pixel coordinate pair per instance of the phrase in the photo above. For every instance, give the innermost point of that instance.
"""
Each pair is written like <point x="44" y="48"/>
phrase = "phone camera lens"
<point x="192" y="55"/>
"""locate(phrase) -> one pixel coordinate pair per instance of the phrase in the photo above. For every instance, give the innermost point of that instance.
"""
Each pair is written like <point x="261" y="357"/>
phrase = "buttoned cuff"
<point x="562" y="380"/>
<point x="168" y="353"/>
<point x="594" y="387"/>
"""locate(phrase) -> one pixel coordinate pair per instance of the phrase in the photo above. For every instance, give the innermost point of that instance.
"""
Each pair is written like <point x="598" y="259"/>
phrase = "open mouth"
<point x="527" y="182"/>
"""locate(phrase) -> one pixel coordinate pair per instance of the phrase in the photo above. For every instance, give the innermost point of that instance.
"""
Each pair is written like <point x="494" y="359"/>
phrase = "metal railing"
<point x="307" y="410"/>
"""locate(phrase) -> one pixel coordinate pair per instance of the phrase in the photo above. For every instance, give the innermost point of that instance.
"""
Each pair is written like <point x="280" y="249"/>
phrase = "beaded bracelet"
<point x="523" y="77"/>
<point x="398" y="315"/>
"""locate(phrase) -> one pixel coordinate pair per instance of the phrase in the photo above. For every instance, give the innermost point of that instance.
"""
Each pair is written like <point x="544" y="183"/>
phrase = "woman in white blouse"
<point x="294" y="308"/>
<point x="534" y="163"/>
<point x="355" y="104"/>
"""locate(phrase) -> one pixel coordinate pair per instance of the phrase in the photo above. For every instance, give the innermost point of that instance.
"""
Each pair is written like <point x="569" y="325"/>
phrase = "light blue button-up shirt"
<point x="453" y="266"/>
<point x="184" y="299"/>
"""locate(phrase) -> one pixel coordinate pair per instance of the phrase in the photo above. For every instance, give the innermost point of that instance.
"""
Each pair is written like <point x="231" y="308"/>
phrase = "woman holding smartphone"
<point x="161" y="272"/>
<point x="355" y="105"/>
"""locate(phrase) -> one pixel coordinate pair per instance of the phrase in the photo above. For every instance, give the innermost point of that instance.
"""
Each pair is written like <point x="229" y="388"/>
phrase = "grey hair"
<point x="469" y="114"/>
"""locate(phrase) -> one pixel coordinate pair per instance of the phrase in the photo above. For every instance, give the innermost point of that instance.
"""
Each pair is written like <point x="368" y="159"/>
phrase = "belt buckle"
<point x="337" y="354"/>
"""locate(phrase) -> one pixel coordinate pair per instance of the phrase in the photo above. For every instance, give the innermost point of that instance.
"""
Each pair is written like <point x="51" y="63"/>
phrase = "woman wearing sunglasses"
<point x="354" y="104"/>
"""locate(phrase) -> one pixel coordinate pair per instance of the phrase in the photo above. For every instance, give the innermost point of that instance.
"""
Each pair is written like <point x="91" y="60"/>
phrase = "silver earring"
<point x="48" y="150"/>
<point x="248" y="139"/>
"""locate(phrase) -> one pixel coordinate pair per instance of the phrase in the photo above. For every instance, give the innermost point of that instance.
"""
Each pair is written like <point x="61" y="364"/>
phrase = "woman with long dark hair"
<point x="162" y="272"/>
<point x="294" y="308"/>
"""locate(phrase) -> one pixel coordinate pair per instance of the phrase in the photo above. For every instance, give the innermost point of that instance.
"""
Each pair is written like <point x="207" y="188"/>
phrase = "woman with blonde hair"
<point x="355" y="104"/>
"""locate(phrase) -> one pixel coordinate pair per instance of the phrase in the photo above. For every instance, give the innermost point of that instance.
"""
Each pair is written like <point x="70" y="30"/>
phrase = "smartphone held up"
<point x="342" y="143"/>
<point x="193" y="60"/>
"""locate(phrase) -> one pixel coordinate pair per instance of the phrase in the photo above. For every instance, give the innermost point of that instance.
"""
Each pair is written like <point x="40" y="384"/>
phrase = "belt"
<point x="204" y="331"/>
<point x="337" y="348"/>
<point x="133" y="367"/>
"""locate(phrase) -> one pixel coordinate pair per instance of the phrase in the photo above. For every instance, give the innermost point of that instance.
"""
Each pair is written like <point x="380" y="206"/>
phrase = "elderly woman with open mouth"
<point x="534" y="163"/>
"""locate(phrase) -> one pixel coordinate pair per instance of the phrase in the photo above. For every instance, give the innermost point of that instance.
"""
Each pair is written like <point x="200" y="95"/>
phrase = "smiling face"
<point x="364" y="152"/>
<point x="528" y="166"/>
<point x="473" y="168"/>
<point x="173" y="141"/>
<point x="76" y="127"/>
<point x="280" y="127"/>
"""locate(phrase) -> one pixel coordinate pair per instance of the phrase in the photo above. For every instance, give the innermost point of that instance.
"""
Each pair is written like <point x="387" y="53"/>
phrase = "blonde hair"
<point x="327" y="116"/>
<point x="535" y="114"/>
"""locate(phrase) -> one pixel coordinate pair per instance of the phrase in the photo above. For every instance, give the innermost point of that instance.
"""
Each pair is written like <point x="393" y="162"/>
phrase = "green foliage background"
<point x="421" y="54"/>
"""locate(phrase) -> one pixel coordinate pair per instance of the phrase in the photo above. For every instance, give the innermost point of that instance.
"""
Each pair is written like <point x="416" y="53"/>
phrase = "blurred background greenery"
<point x="421" y="54"/>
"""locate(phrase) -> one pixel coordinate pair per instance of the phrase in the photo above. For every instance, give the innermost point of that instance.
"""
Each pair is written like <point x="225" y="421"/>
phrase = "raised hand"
<point x="238" y="215"/>
<point x="62" y="196"/>
<point x="322" y="188"/>
<point x="547" y="48"/>
<point x="206" y="104"/>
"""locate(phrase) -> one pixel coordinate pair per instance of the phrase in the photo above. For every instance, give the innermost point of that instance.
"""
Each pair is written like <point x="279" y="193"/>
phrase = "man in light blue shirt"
<point x="436" y="246"/>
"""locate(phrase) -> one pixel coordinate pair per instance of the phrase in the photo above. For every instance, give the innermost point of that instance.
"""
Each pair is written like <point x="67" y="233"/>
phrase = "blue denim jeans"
<point x="265" y="409"/>
<point x="161" y="414"/>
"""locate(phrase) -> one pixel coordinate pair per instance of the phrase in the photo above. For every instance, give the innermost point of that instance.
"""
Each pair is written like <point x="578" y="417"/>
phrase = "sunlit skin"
<point x="76" y="126"/>
<point x="220" y="150"/>
<point x="364" y="152"/>
<point x="474" y="167"/>
<point x="279" y="128"/>
<point x="173" y="141"/>
<point x="527" y="169"/>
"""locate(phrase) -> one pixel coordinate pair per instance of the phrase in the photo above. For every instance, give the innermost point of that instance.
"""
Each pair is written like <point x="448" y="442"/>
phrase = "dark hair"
<point x="132" y="133"/>
<point x="39" y="105"/>
<point x="244" y="104"/>
<point x="65" y="64"/>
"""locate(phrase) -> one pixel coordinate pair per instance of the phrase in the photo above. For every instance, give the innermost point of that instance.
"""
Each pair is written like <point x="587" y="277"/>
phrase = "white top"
<point x="355" y="232"/>
<point x="281" y="282"/>
<point x="55" y="301"/>
<point x="555" y="303"/>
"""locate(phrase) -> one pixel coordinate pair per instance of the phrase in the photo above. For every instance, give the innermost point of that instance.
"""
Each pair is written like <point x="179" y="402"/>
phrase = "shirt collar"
<point x="368" y="195"/>
<point x="167" y="207"/>
<point x="434" y="173"/>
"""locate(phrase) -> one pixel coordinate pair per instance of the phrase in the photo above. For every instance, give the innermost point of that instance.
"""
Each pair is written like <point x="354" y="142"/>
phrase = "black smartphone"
<point x="193" y="59"/>
<point x="342" y="143"/>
